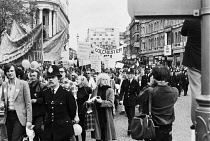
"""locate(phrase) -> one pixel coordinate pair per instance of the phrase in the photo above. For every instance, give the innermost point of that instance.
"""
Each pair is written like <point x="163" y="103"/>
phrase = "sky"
<point x="84" y="14"/>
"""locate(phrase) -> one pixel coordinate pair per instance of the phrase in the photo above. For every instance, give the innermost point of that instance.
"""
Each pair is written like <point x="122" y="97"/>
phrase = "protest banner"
<point x="95" y="62"/>
<point x="83" y="50"/>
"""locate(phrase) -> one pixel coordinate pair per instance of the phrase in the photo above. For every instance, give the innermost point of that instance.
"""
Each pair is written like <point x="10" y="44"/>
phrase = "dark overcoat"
<point x="36" y="93"/>
<point x="130" y="92"/>
<point x="61" y="110"/>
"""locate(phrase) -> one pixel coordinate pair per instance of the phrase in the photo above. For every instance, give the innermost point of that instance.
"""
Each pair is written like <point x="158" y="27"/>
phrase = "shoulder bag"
<point x="142" y="126"/>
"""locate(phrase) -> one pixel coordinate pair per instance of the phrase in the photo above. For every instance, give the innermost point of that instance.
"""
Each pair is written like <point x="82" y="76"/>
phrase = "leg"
<point x="18" y="131"/>
<point x="130" y="111"/>
<point x="39" y="132"/>
<point x="163" y="134"/>
<point x="9" y="125"/>
<point x="194" y="89"/>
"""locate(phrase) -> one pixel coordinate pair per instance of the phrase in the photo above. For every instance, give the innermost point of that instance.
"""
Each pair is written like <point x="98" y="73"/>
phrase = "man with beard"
<point x="60" y="106"/>
<point x="38" y="111"/>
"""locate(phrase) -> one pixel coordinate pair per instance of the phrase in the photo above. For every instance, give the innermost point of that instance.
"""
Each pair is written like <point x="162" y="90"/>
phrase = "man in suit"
<point x="129" y="90"/>
<point x="36" y="88"/>
<point x="17" y="102"/>
<point x="60" y="106"/>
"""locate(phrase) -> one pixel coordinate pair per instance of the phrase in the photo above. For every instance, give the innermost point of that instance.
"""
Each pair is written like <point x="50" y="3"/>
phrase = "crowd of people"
<point x="53" y="99"/>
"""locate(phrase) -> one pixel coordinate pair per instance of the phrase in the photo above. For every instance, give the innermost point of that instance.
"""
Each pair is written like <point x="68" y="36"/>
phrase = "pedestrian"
<point x="38" y="110"/>
<point x="163" y="100"/>
<point x="103" y="100"/>
<point x="83" y="94"/>
<point x="185" y="82"/>
<point x="60" y="106"/>
<point x="3" y="130"/>
<point x="129" y="91"/>
<point x="192" y="60"/>
<point x="17" y="102"/>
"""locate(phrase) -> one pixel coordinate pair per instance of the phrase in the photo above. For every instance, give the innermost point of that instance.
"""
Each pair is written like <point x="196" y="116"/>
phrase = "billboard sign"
<point x="163" y="8"/>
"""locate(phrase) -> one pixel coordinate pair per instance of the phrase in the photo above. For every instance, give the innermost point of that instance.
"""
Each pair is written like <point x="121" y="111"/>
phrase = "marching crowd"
<point x="56" y="98"/>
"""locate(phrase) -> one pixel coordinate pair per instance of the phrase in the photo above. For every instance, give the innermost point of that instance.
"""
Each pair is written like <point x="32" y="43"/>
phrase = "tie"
<point x="53" y="91"/>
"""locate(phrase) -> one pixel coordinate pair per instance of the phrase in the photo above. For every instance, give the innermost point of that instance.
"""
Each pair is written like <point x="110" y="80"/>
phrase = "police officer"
<point x="38" y="111"/>
<point x="129" y="90"/>
<point x="60" y="107"/>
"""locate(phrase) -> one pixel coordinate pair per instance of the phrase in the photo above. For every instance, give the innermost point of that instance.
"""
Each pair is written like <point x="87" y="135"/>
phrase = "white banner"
<point x="95" y="62"/>
<point x="83" y="50"/>
<point x="167" y="50"/>
<point x="114" y="54"/>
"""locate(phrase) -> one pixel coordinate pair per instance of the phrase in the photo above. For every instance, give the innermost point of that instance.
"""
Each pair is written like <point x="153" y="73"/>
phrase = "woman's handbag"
<point x="142" y="127"/>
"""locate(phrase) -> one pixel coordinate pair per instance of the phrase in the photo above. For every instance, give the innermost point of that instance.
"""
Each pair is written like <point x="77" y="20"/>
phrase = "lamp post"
<point x="202" y="130"/>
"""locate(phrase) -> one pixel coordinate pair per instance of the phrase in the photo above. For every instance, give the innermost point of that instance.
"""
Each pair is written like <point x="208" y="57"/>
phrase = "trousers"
<point x="194" y="89"/>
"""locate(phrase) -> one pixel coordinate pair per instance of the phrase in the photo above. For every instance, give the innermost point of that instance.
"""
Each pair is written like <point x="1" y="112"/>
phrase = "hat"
<point x="130" y="71"/>
<point x="53" y="70"/>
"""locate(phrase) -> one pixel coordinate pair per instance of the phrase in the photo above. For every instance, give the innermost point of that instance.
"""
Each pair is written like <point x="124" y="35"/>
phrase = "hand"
<point x="2" y="106"/>
<point x="76" y="119"/>
<point x="29" y="125"/>
<point x="121" y="102"/>
<point x="93" y="99"/>
<point x="33" y="100"/>
<point x="99" y="100"/>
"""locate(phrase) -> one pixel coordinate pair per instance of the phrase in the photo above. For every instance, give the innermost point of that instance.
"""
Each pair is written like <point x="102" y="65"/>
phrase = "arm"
<point x="143" y="97"/>
<point x="122" y="90"/>
<point x="71" y="105"/>
<point x="27" y="99"/>
<point x="184" y="30"/>
<point x="40" y="99"/>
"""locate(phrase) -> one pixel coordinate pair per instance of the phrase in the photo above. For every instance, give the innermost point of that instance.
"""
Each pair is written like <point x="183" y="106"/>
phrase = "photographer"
<point x="163" y="100"/>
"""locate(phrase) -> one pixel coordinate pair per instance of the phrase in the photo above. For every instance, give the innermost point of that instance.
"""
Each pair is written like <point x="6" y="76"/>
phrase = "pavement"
<point x="181" y="126"/>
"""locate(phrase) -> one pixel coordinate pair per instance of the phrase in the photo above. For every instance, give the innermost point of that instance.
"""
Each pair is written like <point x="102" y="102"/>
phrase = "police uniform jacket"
<point x="61" y="110"/>
<point x="130" y="92"/>
<point x="36" y="93"/>
<point x="144" y="80"/>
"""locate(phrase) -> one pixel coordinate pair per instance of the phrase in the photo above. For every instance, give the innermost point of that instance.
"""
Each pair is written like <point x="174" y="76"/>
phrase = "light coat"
<point x="108" y="103"/>
<point x="22" y="101"/>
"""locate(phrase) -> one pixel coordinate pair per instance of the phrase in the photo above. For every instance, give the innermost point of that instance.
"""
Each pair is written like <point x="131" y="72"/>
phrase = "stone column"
<point x="54" y="22"/>
<point x="50" y="23"/>
<point x="40" y="15"/>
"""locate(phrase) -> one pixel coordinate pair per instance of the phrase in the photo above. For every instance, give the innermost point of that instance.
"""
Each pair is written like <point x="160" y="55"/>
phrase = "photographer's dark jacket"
<point x="163" y="99"/>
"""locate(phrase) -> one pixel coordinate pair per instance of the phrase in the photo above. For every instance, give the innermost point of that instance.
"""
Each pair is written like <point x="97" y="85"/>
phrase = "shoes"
<point x="185" y="94"/>
<point x="129" y="132"/>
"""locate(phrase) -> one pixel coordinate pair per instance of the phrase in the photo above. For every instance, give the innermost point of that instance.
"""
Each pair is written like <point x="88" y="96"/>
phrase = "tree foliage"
<point x="15" y="10"/>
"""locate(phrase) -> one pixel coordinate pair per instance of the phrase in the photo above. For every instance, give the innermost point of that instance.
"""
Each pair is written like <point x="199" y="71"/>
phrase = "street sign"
<point x="164" y="8"/>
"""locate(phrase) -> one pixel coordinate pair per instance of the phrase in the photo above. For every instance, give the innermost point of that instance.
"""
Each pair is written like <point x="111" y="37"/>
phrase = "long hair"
<point x="84" y="82"/>
<point x="103" y="76"/>
<point x="8" y="66"/>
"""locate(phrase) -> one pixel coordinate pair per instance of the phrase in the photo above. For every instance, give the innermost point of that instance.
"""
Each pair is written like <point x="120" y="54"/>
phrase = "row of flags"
<point x="20" y="45"/>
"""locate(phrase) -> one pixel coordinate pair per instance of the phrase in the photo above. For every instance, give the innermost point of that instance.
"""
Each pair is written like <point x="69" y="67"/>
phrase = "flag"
<point x="52" y="47"/>
<point x="28" y="47"/>
<point x="17" y="32"/>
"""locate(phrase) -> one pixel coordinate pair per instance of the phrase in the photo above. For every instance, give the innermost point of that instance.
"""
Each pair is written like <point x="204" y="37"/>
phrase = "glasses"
<point x="61" y="71"/>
